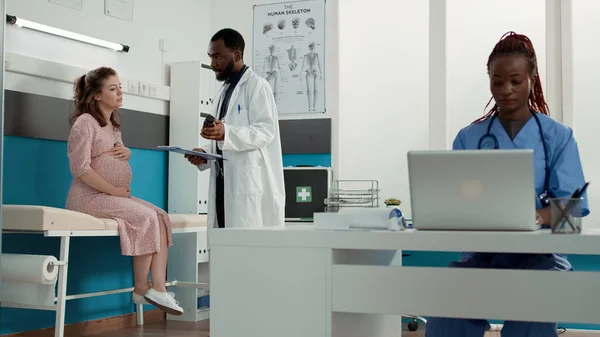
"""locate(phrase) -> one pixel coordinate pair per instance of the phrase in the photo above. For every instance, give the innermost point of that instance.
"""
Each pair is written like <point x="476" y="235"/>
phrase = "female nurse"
<point x="519" y="120"/>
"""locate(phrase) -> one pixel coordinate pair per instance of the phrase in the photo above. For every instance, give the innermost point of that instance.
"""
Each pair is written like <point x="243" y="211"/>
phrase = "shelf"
<point x="202" y="314"/>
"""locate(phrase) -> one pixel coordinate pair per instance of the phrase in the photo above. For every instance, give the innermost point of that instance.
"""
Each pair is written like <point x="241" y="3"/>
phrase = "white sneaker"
<point x="164" y="301"/>
<point x="139" y="299"/>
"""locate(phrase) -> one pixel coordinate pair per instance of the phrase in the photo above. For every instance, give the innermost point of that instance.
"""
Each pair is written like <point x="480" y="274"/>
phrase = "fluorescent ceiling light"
<point x="64" y="33"/>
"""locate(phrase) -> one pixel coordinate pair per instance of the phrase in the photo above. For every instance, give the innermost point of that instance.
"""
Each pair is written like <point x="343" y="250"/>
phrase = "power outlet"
<point x="143" y="89"/>
<point x="152" y="90"/>
<point x="161" y="45"/>
<point x="132" y="86"/>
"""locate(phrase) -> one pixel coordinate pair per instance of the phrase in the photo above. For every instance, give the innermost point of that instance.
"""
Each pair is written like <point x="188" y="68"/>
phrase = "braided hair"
<point x="512" y="43"/>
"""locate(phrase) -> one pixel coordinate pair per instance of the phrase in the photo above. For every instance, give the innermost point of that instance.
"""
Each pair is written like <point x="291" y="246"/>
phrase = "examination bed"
<point x="57" y="222"/>
<point x="26" y="218"/>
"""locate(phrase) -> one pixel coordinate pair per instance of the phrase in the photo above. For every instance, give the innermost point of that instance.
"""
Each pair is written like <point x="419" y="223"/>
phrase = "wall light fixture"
<point x="64" y="33"/>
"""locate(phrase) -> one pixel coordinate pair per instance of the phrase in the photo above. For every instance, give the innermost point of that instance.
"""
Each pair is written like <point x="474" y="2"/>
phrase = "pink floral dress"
<point x="88" y="148"/>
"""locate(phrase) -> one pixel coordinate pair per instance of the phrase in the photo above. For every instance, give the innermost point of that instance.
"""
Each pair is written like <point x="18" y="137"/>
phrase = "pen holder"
<point x="565" y="215"/>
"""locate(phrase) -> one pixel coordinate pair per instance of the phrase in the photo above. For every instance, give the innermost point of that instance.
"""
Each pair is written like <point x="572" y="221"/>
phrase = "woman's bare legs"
<point x="157" y="294"/>
<point x="158" y="267"/>
<point x="156" y="263"/>
<point x="141" y="265"/>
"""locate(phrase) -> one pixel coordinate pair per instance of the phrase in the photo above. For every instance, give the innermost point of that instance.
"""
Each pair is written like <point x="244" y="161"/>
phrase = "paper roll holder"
<point x="58" y="263"/>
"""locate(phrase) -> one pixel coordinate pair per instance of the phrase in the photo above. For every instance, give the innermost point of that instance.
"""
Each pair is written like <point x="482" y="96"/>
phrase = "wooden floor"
<point x="162" y="329"/>
<point x="200" y="329"/>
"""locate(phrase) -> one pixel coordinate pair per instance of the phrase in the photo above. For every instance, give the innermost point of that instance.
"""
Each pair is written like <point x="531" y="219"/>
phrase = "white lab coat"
<point x="254" y="191"/>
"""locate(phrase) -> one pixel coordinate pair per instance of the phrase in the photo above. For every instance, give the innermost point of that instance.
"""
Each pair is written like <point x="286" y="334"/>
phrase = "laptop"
<point x="477" y="190"/>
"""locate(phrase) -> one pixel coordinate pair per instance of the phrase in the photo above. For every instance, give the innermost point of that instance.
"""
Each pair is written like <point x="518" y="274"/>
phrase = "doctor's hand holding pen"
<point x="195" y="160"/>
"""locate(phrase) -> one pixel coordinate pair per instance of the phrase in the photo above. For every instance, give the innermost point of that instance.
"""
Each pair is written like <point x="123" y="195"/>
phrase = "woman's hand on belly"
<point x="120" y="152"/>
<point x="95" y="181"/>
<point x="124" y="192"/>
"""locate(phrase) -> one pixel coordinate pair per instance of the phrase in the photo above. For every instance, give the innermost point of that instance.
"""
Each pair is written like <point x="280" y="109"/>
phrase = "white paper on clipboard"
<point x="207" y="156"/>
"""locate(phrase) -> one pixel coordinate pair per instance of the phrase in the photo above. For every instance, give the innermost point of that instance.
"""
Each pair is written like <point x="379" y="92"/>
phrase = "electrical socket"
<point x="132" y="86"/>
<point x="161" y="45"/>
<point x="143" y="88"/>
<point x="152" y="90"/>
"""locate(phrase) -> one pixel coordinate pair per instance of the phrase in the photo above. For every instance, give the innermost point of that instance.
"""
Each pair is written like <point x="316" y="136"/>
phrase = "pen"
<point x="239" y="108"/>
<point x="567" y="210"/>
<point x="582" y="190"/>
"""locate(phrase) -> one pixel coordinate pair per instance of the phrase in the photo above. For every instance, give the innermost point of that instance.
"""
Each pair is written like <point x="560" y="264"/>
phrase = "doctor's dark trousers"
<point x="220" y="186"/>
<point x="220" y="196"/>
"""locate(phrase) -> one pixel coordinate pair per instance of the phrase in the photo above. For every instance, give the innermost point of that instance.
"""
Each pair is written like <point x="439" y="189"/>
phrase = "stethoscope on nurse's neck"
<point x="492" y="140"/>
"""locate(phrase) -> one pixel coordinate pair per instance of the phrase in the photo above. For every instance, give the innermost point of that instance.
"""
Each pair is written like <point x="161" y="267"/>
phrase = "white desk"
<point x="298" y="281"/>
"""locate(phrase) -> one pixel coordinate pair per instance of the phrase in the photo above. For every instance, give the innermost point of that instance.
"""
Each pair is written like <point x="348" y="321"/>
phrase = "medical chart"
<point x="207" y="156"/>
<point x="289" y="51"/>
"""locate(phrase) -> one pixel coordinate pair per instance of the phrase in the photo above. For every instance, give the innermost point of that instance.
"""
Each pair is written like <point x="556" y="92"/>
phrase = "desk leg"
<point x="270" y="292"/>
<point x="360" y="325"/>
<point x="59" y="329"/>
<point x="357" y="324"/>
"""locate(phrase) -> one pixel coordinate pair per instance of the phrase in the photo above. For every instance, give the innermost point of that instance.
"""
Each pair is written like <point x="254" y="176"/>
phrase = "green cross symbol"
<point x="303" y="194"/>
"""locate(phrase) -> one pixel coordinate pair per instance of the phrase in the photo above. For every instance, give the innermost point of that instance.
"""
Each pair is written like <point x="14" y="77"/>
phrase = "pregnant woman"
<point x="99" y="163"/>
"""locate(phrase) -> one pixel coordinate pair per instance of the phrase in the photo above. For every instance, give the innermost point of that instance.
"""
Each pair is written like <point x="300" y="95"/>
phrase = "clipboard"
<point x="206" y="156"/>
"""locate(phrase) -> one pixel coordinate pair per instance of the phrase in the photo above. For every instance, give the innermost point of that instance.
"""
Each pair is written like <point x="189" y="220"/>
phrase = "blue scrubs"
<point x="566" y="175"/>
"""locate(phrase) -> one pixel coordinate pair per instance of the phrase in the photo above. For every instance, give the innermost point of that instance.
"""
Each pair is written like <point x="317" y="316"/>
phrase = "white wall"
<point x="238" y="15"/>
<point x="180" y="23"/>
<point x="384" y="91"/>
<point x="586" y="112"/>
<point x="473" y="29"/>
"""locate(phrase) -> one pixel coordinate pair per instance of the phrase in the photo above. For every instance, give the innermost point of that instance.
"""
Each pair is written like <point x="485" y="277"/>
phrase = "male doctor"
<point x="246" y="189"/>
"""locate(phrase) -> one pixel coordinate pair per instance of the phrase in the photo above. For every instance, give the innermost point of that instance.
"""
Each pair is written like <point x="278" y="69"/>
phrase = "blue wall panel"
<point x="319" y="159"/>
<point x="36" y="172"/>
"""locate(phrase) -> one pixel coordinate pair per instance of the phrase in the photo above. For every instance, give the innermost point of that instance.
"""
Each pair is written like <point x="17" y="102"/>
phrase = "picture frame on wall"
<point x="289" y="52"/>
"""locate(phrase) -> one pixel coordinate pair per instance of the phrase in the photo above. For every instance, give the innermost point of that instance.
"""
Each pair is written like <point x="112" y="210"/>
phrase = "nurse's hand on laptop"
<point x="195" y="160"/>
<point x="542" y="216"/>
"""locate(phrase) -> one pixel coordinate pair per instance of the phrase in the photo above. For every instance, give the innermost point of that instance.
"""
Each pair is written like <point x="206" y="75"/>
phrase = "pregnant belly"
<point x="115" y="171"/>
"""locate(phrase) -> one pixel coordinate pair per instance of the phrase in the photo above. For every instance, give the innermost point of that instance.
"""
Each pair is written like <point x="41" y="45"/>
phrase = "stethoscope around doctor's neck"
<point x="490" y="139"/>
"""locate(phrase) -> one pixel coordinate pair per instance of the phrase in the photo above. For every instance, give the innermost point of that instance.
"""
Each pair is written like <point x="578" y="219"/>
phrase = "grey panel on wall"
<point x="305" y="136"/>
<point x="144" y="130"/>
<point x="44" y="117"/>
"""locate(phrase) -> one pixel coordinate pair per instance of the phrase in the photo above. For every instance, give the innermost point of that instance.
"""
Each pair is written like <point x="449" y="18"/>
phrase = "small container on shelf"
<point x="392" y="202"/>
